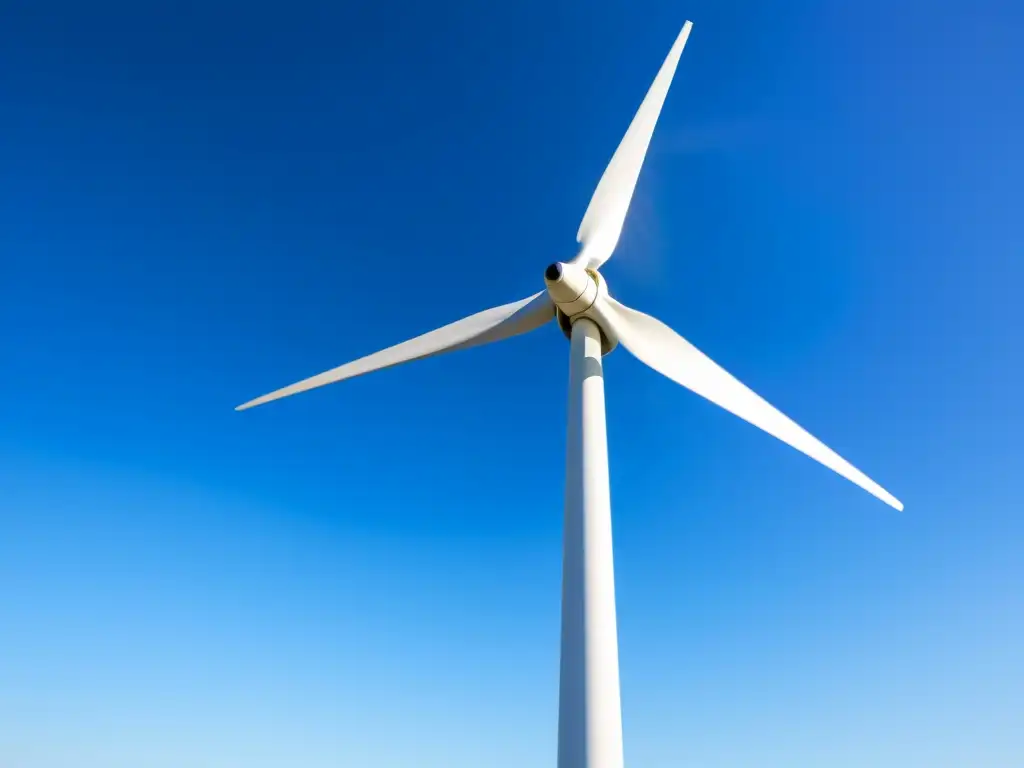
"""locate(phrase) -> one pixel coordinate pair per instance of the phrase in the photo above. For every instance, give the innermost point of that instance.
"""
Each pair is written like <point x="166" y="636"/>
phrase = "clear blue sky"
<point x="200" y="204"/>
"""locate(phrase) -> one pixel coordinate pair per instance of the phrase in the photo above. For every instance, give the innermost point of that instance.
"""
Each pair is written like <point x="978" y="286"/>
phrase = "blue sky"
<point x="203" y="203"/>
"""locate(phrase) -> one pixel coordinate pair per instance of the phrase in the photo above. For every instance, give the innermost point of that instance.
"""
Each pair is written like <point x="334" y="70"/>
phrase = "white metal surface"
<point x="589" y="710"/>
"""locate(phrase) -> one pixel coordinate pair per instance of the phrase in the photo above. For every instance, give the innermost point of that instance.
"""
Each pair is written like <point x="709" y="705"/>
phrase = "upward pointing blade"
<point x="602" y="223"/>
<point x="482" y="328"/>
<point x="664" y="350"/>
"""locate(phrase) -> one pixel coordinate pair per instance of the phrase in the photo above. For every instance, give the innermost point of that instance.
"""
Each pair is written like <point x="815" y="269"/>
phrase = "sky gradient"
<point x="201" y="204"/>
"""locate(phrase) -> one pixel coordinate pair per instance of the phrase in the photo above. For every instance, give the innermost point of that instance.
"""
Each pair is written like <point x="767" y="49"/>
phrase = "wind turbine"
<point x="576" y="296"/>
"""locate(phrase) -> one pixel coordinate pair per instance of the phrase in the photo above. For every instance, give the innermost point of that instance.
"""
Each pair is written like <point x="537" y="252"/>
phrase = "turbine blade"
<point x="491" y="325"/>
<point x="602" y="223"/>
<point x="658" y="346"/>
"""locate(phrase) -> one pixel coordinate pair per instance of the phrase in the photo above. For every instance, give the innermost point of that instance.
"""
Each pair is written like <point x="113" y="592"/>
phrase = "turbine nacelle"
<point x="576" y="292"/>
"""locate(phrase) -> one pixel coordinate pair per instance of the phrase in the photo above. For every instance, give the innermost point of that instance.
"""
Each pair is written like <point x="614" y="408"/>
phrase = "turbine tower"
<point x="576" y="296"/>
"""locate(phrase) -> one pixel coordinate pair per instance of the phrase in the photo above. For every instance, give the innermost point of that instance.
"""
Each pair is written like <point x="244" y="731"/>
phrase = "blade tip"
<point x="891" y="500"/>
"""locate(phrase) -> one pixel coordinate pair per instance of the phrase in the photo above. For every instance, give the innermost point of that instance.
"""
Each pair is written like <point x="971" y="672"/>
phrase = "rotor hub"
<point x="579" y="292"/>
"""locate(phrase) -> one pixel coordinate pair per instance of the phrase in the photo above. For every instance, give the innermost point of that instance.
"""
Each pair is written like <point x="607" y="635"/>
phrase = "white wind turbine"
<point x="589" y="714"/>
